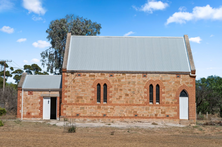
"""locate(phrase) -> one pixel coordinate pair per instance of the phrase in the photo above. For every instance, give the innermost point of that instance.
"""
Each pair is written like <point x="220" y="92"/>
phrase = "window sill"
<point x="104" y="103"/>
<point x="157" y="103"/>
<point x="150" y="103"/>
<point x="98" y="102"/>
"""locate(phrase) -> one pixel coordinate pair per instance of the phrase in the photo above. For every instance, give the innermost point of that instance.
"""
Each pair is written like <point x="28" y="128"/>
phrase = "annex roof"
<point x="42" y="82"/>
<point x="127" y="54"/>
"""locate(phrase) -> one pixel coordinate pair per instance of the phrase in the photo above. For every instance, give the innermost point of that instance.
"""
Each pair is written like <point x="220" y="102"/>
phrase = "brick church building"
<point x="107" y="78"/>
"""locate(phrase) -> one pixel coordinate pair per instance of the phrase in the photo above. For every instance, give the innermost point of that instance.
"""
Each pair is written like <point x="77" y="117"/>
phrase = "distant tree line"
<point x="33" y="69"/>
<point x="209" y="95"/>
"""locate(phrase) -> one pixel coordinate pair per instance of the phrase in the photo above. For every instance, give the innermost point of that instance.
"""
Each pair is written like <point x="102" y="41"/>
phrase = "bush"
<point x="72" y="129"/>
<point x="1" y="123"/>
<point x="200" y="117"/>
<point x="2" y="111"/>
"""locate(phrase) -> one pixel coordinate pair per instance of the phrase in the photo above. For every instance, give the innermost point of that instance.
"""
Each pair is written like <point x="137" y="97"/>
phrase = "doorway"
<point x="183" y="105"/>
<point x="49" y="107"/>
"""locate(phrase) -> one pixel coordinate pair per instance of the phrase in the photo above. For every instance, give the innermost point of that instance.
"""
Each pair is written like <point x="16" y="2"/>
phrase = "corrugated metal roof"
<point x="42" y="82"/>
<point x="142" y="54"/>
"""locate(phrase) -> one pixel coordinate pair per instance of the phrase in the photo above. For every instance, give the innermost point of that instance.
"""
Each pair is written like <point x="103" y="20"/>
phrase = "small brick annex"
<point x="127" y="95"/>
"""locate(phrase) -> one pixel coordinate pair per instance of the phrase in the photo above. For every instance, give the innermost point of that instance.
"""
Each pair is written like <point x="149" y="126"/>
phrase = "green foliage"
<point x="17" y="75"/>
<point x="209" y="95"/>
<point x="2" y="111"/>
<point x="72" y="129"/>
<point x="1" y="82"/>
<point x="7" y="74"/>
<point x="2" y="64"/>
<point x="12" y="85"/>
<point x="34" y="69"/>
<point x="1" y="123"/>
<point x="28" y="69"/>
<point x="52" y="58"/>
<point x="200" y="117"/>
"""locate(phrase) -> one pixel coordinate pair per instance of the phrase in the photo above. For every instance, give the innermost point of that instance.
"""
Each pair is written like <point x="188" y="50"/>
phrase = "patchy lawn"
<point x="17" y="133"/>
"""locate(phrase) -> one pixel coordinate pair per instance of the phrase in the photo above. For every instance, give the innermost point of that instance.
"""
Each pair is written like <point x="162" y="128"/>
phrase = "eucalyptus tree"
<point x="52" y="57"/>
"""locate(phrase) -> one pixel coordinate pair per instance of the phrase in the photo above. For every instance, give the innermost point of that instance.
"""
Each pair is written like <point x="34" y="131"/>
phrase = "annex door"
<point x="183" y="105"/>
<point x="46" y="107"/>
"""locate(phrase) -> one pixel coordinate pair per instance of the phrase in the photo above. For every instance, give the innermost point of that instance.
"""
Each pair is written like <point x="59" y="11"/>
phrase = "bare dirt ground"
<point x="17" y="133"/>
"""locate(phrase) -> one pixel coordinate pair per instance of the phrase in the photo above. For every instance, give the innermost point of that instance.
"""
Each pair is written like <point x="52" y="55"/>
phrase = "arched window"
<point x="183" y="94"/>
<point x="157" y="94"/>
<point x="105" y="93"/>
<point x="151" y="93"/>
<point x="98" y="93"/>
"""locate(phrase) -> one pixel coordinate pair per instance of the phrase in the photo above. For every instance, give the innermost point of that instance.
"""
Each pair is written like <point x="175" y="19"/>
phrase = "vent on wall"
<point x="77" y="114"/>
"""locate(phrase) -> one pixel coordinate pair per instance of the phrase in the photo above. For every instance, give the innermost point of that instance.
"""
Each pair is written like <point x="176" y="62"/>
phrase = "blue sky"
<point x="24" y="22"/>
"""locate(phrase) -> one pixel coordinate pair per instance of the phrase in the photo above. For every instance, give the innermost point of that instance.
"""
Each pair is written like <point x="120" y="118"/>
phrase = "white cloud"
<point x="152" y="5"/>
<point x="36" y="18"/>
<point x="5" y="5"/>
<point x="129" y="33"/>
<point x="181" y="9"/>
<point x="34" y="6"/>
<point x="34" y="60"/>
<point x="212" y="35"/>
<point x="25" y="61"/>
<point x="195" y="39"/>
<point x="41" y="44"/>
<point x="21" y="40"/>
<point x="206" y="12"/>
<point x="7" y="29"/>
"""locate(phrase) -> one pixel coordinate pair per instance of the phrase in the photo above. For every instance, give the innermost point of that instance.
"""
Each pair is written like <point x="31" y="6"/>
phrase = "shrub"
<point x="200" y="117"/>
<point x="1" y="123"/>
<point x="72" y="129"/>
<point x="2" y="111"/>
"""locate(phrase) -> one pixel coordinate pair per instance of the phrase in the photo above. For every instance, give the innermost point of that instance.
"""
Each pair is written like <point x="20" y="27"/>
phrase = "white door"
<point x="183" y="107"/>
<point x="46" y="108"/>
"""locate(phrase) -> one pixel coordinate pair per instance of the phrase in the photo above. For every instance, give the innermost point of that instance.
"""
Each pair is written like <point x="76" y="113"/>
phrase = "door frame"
<point x="43" y="108"/>
<point x="187" y="108"/>
<point x="49" y="108"/>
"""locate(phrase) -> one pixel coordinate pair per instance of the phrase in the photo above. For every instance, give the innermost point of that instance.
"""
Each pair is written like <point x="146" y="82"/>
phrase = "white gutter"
<point x="22" y="107"/>
<point x="192" y="75"/>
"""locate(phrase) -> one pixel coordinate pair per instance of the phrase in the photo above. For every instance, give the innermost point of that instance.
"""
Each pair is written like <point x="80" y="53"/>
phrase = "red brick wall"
<point x="33" y="104"/>
<point x="128" y="95"/>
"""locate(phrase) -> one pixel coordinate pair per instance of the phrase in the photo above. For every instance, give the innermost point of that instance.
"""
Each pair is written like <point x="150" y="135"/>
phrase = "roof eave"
<point x="129" y="72"/>
<point x="22" y="80"/>
<point x="66" y="54"/>
<point x="192" y="66"/>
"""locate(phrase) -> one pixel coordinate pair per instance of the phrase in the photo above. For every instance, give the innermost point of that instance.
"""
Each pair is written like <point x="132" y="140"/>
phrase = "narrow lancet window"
<point x="183" y="94"/>
<point x="105" y="93"/>
<point x="157" y="94"/>
<point x="98" y="93"/>
<point x="151" y="93"/>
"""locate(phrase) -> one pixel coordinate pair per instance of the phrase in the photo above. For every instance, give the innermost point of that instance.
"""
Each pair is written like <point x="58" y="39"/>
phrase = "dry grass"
<point x="17" y="133"/>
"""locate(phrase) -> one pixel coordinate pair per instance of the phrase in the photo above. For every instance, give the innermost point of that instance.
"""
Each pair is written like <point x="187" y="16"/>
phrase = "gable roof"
<point x="42" y="82"/>
<point x="127" y="54"/>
